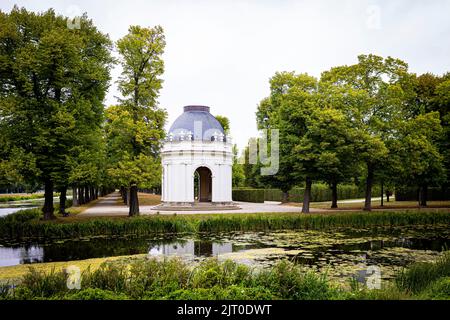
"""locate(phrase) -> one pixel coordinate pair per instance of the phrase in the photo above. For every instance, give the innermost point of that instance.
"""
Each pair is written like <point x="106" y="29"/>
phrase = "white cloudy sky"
<point x="222" y="53"/>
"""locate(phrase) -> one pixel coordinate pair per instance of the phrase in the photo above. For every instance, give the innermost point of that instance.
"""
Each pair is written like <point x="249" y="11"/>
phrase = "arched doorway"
<point x="203" y="184"/>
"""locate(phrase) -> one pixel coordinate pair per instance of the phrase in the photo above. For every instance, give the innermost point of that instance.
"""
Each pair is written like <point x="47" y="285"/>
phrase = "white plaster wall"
<point x="180" y="159"/>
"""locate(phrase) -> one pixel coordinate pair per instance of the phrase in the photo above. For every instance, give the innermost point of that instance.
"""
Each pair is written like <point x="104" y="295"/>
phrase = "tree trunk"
<point x="334" y="196"/>
<point x="80" y="196"/>
<point x="285" y="197"/>
<point x="388" y="194"/>
<point x="74" y="197"/>
<point x="62" y="202"/>
<point x="424" y="196"/>
<point x="133" y="201"/>
<point x="307" y="196"/>
<point x="128" y="197"/>
<point x="123" y="192"/>
<point x="48" y="202"/>
<point x="382" y="193"/>
<point x="87" y="199"/>
<point x="369" y="183"/>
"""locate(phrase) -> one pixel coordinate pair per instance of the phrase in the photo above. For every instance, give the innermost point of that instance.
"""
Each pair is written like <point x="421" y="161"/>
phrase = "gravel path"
<point x="109" y="207"/>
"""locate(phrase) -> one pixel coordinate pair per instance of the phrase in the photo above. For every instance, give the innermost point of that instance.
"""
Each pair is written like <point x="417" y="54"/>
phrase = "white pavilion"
<point x="196" y="163"/>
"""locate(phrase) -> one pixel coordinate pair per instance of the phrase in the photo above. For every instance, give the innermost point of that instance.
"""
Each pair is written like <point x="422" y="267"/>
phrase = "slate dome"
<point x="196" y="122"/>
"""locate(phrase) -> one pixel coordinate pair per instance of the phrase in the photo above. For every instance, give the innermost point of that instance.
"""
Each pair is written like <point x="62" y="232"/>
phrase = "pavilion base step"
<point x="196" y="206"/>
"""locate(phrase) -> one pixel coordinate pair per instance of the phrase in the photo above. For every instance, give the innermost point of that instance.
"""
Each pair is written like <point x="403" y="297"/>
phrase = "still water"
<point x="341" y="253"/>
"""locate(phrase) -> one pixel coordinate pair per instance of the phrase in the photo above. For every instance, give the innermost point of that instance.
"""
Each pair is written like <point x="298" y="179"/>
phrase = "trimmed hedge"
<point x="249" y="195"/>
<point x="319" y="192"/>
<point x="411" y="194"/>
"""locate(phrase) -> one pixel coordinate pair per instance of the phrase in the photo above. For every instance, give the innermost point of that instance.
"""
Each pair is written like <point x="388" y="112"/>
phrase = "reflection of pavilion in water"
<point x="192" y="247"/>
<point x="21" y="255"/>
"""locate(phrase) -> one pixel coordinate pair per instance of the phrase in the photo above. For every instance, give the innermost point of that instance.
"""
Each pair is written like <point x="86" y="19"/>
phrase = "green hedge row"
<point x="319" y="192"/>
<point x="411" y="194"/>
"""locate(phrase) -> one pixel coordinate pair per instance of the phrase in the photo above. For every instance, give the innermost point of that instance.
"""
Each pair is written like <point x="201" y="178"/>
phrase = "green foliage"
<point x="403" y="193"/>
<point x="319" y="193"/>
<point x="224" y="122"/>
<point x="53" y="81"/>
<point x="438" y="290"/>
<point x="96" y="294"/>
<point x="141" y="278"/>
<point x="13" y="197"/>
<point x="28" y="228"/>
<point x="175" y="279"/>
<point x="420" y="275"/>
<point x="21" y="216"/>
<point x="135" y="128"/>
<point x="248" y="195"/>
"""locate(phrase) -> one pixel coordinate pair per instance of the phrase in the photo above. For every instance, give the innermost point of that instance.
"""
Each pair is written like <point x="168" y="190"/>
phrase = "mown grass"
<point x="141" y="278"/>
<point x="147" y="199"/>
<point x="26" y="225"/>
<point x="376" y="204"/>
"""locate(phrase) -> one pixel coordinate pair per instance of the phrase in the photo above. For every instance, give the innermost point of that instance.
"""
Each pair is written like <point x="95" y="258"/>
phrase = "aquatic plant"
<point x="23" y="226"/>
<point x="175" y="279"/>
<point x="421" y="275"/>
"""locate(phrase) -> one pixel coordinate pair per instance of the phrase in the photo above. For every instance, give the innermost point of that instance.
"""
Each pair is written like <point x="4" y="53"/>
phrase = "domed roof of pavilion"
<point x="196" y="123"/>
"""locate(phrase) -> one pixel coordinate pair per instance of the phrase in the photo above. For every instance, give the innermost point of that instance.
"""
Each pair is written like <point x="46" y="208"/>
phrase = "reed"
<point x="420" y="275"/>
<point x="175" y="279"/>
<point x="141" y="278"/>
<point x="26" y="226"/>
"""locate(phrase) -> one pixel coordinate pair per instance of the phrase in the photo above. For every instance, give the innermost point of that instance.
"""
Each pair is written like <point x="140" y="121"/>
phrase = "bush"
<point x="15" y="197"/>
<point x="96" y="294"/>
<point x="21" y="216"/>
<point x="319" y="192"/>
<point x="438" y="290"/>
<point x="174" y="279"/>
<point x="420" y="275"/>
<point x="248" y="195"/>
<point x="411" y="194"/>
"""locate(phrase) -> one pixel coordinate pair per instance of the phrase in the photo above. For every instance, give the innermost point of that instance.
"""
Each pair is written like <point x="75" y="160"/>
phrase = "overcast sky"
<point x="222" y="53"/>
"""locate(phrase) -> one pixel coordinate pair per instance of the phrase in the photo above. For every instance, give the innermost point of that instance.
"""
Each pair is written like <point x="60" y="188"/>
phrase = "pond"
<point x="341" y="253"/>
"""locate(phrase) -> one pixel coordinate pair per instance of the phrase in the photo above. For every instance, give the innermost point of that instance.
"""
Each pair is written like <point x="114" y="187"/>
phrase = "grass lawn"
<point x="16" y="272"/>
<point x="147" y="199"/>
<point x="376" y="204"/>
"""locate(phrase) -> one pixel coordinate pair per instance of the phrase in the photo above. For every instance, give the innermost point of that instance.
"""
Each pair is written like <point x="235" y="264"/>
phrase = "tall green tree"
<point x="378" y="92"/>
<point x="52" y="79"/>
<point x="142" y="65"/>
<point x="224" y="122"/>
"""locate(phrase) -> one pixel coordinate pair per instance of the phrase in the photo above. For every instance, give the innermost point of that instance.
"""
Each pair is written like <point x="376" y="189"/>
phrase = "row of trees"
<point x="372" y="119"/>
<point x="54" y="130"/>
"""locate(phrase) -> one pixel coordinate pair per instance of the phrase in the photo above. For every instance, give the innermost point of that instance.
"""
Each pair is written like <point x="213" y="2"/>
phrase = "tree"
<point x="224" y="122"/>
<point x="288" y="92"/>
<point x="238" y="176"/>
<point x="378" y="92"/>
<point x="418" y="159"/>
<point x="52" y="78"/>
<point x="140" y="56"/>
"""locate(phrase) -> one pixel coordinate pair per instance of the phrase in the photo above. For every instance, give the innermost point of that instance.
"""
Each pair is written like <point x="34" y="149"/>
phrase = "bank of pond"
<point x="330" y="251"/>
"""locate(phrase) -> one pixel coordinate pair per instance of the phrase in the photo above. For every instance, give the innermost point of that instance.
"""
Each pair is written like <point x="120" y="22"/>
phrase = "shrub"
<point x="403" y="193"/>
<point x="319" y="192"/>
<point x="248" y="195"/>
<point x="438" y="290"/>
<point x="420" y="275"/>
<point x="96" y="294"/>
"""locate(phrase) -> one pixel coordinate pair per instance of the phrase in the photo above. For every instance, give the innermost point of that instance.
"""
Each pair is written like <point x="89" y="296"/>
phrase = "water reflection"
<point x="193" y="248"/>
<point x="22" y="255"/>
<point x="312" y="249"/>
<point x="95" y="248"/>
